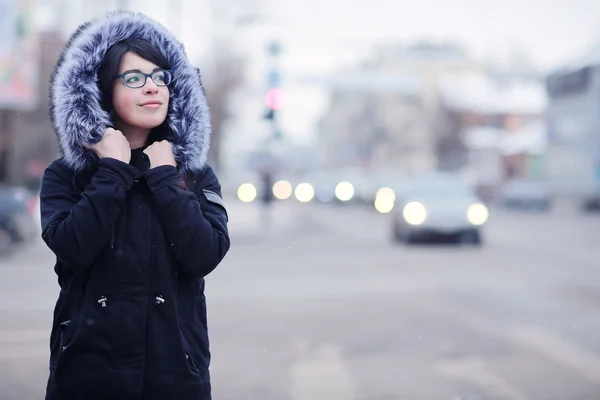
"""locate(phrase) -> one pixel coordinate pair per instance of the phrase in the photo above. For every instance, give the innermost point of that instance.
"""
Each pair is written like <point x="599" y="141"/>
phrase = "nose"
<point x="150" y="87"/>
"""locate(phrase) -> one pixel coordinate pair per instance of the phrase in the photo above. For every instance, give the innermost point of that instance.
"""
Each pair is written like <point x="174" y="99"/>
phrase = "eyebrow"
<point x="137" y="70"/>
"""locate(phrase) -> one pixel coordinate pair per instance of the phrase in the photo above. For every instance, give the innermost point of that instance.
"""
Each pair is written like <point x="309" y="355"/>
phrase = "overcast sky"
<point x="551" y="31"/>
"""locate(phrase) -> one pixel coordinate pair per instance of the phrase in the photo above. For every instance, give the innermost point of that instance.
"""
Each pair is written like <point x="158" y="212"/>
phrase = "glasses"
<point x="135" y="80"/>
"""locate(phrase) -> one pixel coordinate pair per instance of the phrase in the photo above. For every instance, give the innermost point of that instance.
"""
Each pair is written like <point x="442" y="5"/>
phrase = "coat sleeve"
<point x="75" y="224"/>
<point x="194" y="221"/>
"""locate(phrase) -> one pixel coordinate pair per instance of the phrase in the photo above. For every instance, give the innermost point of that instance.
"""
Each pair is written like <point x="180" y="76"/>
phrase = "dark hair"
<point x="109" y="69"/>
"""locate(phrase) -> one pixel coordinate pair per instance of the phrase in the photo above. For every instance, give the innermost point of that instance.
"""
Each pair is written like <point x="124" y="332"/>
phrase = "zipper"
<point x="63" y="326"/>
<point x="112" y="238"/>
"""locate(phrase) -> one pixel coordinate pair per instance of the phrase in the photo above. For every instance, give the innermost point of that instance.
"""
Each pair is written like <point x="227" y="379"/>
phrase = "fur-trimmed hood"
<point x="77" y="117"/>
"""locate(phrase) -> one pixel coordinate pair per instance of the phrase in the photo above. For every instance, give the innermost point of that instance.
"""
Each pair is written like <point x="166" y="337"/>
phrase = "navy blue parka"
<point x="132" y="244"/>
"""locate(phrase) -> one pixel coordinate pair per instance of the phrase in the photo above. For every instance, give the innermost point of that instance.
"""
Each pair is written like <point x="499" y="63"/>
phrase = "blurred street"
<point x="323" y="306"/>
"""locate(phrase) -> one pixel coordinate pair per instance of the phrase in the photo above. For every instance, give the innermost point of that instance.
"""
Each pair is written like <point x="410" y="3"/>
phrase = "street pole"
<point x="274" y="88"/>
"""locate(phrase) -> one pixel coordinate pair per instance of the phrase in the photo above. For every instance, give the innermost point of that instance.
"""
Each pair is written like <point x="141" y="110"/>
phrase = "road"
<point x="323" y="306"/>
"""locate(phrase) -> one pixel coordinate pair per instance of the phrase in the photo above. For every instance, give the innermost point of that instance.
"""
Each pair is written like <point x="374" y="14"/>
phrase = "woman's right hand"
<point x="113" y="145"/>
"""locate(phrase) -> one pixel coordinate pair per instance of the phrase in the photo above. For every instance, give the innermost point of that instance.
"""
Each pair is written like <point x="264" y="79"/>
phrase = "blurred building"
<point x="27" y="58"/>
<point x="383" y="115"/>
<point x="27" y="137"/>
<point x="373" y="122"/>
<point x="573" y="159"/>
<point x="491" y="126"/>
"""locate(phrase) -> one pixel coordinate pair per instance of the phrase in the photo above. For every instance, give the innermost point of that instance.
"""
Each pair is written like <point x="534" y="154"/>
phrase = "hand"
<point x="160" y="153"/>
<point x="113" y="145"/>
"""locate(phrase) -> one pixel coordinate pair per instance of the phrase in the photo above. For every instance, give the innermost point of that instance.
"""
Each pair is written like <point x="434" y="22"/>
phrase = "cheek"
<point x="166" y="96"/>
<point x="124" y="102"/>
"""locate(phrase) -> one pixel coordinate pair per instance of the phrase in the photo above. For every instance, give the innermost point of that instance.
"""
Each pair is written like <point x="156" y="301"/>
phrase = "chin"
<point x="148" y="123"/>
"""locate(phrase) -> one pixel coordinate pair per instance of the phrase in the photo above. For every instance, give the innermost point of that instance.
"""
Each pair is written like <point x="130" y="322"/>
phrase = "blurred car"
<point x="440" y="208"/>
<point x="18" y="223"/>
<point x="525" y="195"/>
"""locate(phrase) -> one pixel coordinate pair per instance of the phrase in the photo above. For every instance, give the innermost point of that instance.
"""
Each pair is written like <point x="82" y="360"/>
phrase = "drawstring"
<point x="158" y="300"/>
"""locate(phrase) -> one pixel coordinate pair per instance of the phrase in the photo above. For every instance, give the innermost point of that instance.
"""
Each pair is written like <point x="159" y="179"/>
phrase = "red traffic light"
<point x="273" y="98"/>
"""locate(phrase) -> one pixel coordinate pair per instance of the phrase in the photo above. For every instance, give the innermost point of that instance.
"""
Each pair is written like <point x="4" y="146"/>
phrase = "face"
<point x="144" y="107"/>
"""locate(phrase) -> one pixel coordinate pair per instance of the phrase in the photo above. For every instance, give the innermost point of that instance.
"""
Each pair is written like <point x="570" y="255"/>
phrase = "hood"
<point x="77" y="117"/>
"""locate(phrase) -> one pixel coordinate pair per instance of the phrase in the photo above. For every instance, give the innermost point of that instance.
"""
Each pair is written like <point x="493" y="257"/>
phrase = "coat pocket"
<point x="66" y="331"/>
<point x="189" y="356"/>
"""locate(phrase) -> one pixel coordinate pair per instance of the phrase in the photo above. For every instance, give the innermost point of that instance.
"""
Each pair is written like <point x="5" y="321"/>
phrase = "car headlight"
<point x="282" y="190"/>
<point x="344" y="191"/>
<point x="477" y="214"/>
<point x="304" y="192"/>
<point x="246" y="192"/>
<point x="414" y="213"/>
<point x="384" y="200"/>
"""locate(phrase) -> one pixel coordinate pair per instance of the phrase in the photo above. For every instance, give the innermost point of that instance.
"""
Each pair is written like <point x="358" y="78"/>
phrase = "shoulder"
<point x="206" y="185"/>
<point x="59" y="167"/>
<point x="203" y="179"/>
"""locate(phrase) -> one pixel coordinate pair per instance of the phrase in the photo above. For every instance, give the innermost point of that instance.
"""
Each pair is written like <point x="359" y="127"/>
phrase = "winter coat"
<point x="132" y="244"/>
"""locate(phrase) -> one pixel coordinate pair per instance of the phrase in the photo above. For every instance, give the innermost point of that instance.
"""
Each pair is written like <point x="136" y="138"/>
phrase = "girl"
<point x="133" y="214"/>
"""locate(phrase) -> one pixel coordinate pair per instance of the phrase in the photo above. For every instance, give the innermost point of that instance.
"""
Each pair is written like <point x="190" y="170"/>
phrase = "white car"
<point x="444" y="208"/>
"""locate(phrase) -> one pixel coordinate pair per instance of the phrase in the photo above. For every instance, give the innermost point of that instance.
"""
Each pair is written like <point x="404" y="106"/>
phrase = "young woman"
<point x="133" y="214"/>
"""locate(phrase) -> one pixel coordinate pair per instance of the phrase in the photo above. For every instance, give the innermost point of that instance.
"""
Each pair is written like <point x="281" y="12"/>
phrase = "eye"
<point x="132" y="78"/>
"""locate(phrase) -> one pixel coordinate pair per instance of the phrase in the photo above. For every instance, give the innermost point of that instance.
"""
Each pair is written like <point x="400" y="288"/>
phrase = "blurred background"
<point x="413" y="190"/>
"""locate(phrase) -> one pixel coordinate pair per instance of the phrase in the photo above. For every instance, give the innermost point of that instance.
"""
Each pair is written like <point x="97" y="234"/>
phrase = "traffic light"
<point x="273" y="102"/>
<point x="273" y="98"/>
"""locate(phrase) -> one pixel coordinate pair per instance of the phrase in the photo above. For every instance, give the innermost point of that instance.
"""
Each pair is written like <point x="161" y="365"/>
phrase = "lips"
<point x="151" y="103"/>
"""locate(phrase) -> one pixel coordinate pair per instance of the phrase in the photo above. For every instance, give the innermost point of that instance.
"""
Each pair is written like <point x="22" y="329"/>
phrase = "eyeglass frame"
<point x="146" y="76"/>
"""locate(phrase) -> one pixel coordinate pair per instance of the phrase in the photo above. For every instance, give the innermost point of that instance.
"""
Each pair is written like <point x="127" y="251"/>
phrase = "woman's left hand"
<point x="160" y="153"/>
